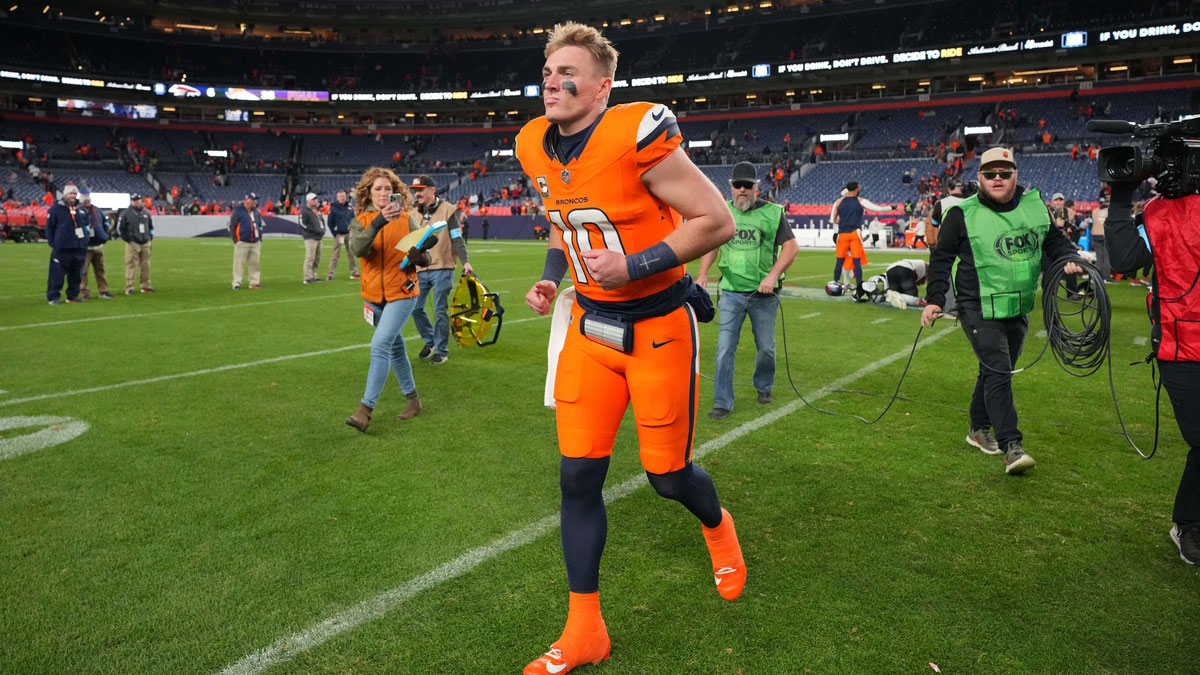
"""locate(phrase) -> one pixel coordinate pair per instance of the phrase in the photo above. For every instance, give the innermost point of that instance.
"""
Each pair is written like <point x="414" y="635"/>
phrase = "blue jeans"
<point x="437" y="334"/>
<point x="387" y="350"/>
<point x="734" y="308"/>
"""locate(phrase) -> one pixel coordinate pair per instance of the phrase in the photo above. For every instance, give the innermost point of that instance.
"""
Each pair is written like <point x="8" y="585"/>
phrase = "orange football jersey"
<point x="597" y="200"/>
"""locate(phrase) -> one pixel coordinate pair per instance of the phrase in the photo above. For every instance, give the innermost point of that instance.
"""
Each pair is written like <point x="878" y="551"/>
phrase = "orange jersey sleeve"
<point x="597" y="200"/>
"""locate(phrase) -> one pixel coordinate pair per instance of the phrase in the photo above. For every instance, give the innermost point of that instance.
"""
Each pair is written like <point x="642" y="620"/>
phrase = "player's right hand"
<point x="930" y="314"/>
<point x="541" y="296"/>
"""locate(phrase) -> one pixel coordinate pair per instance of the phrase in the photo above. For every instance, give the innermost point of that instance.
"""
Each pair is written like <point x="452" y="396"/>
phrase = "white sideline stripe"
<point x="1141" y="341"/>
<point x="809" y="316"/>
<point x="389" y="600"/>
<point x="171" y="311"/>
<point x="207" y="371"/>
<point x="878" y="321"/>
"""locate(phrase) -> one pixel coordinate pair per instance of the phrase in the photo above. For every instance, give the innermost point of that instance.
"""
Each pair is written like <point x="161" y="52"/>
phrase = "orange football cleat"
<point x="729" y="568"/>
<point x="568" y="653"/>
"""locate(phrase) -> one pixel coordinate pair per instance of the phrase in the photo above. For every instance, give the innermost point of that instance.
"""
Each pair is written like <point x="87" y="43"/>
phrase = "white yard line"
<point x="209" y="371"/>
<point x="879" y="321"/>
<point x="67" y="322"/>
<point x="1141" y="341"/>
<point x="389" y="600"/>
<point x="809" y="316"/>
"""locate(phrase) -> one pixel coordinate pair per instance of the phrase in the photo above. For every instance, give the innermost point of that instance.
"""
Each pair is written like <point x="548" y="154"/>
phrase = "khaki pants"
<point x="340" y="243"/>
<point x="312" y="258"/>
<point x="246" y="255"/>
<point x="95" y="259"/>
<point x="137" y="256"/>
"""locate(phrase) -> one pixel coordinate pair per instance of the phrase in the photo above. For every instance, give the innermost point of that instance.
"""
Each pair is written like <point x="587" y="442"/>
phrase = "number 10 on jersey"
<point x="578" y="229"/>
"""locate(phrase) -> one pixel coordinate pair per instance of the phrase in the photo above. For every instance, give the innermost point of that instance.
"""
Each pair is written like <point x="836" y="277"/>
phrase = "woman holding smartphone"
<point x="382" y="206"/>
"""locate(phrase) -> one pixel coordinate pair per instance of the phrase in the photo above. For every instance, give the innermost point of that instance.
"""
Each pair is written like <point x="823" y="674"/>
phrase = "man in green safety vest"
<point x="752" y="266"/>
<point x="999" y="236"/>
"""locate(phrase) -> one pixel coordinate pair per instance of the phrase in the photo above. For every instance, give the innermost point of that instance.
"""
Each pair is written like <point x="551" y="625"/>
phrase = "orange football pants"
<point x="595" y="384"/>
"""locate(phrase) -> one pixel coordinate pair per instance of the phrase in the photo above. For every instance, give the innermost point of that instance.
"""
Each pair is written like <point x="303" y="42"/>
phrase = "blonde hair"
<point x="571" y="34"/>
<point x="362" y="191"/>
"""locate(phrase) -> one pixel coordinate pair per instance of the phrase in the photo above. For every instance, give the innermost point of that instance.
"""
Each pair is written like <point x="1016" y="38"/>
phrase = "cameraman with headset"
<point x="1171" y="223"/>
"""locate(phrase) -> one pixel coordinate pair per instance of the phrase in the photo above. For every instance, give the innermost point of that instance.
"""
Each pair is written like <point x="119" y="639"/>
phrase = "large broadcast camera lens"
<point x="1122" y="163"/>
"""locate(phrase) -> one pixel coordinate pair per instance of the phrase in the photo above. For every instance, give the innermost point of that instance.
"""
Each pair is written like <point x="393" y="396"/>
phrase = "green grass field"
<point x="217" y="515"/>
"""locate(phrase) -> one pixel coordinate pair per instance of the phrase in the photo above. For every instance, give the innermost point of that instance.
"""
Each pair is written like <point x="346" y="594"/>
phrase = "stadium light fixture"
<point x="409" y="115"/>
<point x="975" y="78"/>
<point x="35" y="99"/>
<point x="924" y="83"/>
<point x="789" y="93"/>
<point x="196" y="26"/>
<point x="626" y="22"/>
<point x="764" y="5"/>
<point x="431" y="114"/>
<point x="659" y="17"/>
<point x="1181" y="59"/>
<point x="46" y="9"/>
<point x="168" y="108"/>
<point x="13" y="8"/>
<point x="1117" y="69"/>
<point x="258" y="113"/>
<point x="751" y="96"/>
<point x="700" y="99"/>
<point x="341" y="116"/>
<point x="879" y="86"/>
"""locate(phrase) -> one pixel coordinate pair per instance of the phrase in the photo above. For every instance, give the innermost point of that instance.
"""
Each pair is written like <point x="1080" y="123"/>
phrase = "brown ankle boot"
<point x="361" y="419"/>
<point x="412" y="408"/>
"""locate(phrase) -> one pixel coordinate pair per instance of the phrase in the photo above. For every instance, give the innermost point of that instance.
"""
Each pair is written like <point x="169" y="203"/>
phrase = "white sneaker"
<point x="894" y="299"/>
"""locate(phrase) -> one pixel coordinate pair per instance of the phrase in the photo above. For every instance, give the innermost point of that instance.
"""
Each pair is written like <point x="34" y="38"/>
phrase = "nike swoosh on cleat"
<point x="659" y="115"/>
<point x="556" y="667"/>
<point x="656" y="345"/>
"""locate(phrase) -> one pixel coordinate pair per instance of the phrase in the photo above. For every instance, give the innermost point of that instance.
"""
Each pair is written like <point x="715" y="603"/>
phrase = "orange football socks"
<point x="729" y="568"/>
<point x="584" y="640"/>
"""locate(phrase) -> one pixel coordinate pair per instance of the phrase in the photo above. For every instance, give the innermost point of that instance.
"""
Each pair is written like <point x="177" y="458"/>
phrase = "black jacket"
<point x="953" y="242"/>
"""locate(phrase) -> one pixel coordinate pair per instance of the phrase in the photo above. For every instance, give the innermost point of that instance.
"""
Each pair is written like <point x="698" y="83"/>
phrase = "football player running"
<point x="617" y="188"/>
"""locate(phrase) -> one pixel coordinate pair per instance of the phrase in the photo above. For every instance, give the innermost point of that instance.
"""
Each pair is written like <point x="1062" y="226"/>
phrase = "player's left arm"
<point x="708" y="223"/>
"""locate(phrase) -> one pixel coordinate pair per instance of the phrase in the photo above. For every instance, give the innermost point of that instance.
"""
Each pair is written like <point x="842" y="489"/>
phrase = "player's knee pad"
<point x="582" y="476"/>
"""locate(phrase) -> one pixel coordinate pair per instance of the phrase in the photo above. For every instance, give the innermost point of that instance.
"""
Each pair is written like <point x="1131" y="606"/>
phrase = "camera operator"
<point x="1172" y="226"/>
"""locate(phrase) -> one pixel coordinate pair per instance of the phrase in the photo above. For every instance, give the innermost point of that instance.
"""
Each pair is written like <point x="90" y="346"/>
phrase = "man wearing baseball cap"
<point x="67" y="232"/>
<point x="137" y="229"/>
<point x="999" y="237"/>
<point x="443" y="257"/>
<point x="246" y="228"/>
<point x="752" y="264"/>
<point x="312" y="229"/>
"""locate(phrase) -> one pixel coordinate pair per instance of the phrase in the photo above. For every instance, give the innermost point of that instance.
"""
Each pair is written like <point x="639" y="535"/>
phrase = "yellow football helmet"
<point x="473" y="311"/>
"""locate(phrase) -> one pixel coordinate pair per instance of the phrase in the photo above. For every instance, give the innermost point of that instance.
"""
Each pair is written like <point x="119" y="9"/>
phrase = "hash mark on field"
<point x="880" y="320"/>
<point x="1041" y="333"/>
<point x="809" y="316"/>
<point x="389" y="600"/>
<point x="1141" y="341"/>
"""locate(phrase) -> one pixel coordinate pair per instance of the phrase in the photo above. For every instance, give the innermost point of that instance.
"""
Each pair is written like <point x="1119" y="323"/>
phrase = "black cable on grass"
<point x="787" y="363"/>
<point x="1082" y="349"/>
<point x="1079" y="352"/>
